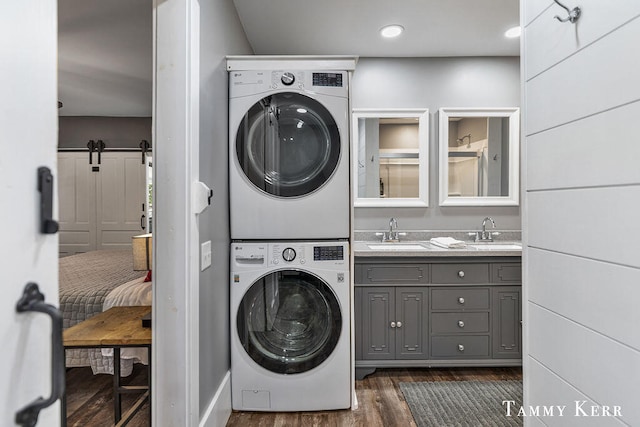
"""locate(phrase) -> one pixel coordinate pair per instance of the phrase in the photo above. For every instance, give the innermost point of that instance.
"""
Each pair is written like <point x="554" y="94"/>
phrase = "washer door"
<point x="289" y="321"/>
<point x="288" y="145"/>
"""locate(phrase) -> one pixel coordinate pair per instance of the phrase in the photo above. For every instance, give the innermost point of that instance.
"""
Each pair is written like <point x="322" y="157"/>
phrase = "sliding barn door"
<point x="581" y="216"/>
<point x="101" y="205"/>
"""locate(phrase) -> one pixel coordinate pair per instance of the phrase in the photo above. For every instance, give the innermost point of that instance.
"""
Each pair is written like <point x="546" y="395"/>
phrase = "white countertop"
<point x="412" y="248"/>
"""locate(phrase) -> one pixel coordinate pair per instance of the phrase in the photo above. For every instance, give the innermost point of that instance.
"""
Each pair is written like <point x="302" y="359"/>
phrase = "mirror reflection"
<point x="479" y="157"/>
<point x="477" y="148"/>
<point x="390" y="150"/>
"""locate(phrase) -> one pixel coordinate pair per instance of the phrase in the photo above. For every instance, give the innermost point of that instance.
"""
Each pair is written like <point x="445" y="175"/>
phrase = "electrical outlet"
<point x="205" y="255"/>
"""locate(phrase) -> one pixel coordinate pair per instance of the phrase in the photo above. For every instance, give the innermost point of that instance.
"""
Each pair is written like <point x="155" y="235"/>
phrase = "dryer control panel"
<point x="329" y="82"/>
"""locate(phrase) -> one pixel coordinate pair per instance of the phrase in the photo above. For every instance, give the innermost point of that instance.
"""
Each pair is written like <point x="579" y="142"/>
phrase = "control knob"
<point x="287" y="78"/>
<point x="289" y="254"/>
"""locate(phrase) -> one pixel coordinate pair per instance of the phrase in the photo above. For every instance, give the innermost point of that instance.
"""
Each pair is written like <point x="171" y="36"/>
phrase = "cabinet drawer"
<point x="460" y="273"/>
<point x="461" y="323"/>
<point x="506" y="273"/>
<point x="404" y="274"/>
<point x="460" y="346"/>
<point x="460" y="299"/>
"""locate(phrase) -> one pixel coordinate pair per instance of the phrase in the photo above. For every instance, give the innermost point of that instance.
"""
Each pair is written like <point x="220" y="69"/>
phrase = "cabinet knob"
<point x="399" y="324"/>
<point x="460" y="347"/>
<point x="460" y="324"/>
<point x="460" y="300"/>
<point x="393" y="324"/>
<point x="461" y="274"/>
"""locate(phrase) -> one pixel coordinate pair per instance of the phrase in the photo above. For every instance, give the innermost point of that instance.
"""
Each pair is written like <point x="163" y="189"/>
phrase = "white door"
<point x="28" y="138"/>
<point x="101" y="205"/>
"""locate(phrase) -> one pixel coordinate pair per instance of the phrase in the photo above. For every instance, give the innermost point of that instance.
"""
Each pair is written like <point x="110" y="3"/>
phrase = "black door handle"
<point x="45" y="186"/>
<point x="142" y="218"/>
<point x="33" y="300"/>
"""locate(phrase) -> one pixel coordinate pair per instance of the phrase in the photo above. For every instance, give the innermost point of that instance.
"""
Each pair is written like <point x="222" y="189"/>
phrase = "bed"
<point x="90" y="283"/>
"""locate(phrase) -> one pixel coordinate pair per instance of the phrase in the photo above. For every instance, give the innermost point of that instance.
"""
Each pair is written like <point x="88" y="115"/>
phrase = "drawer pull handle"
<point x="460" y="347"/>
<point x="460" y="324"/>
<point x="460" y="300"/>
<point x="461" y="274"/>
<point x="393" y="324"/>
<point x="399" y="324"/>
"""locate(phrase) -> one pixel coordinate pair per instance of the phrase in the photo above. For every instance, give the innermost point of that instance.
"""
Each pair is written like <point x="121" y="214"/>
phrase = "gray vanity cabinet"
<point x="392" y="306"/>
<point x="423" y="312"/>
<point x="396" y="322"/>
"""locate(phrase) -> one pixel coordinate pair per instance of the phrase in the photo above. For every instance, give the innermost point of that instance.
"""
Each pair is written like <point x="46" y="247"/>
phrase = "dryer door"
<point x="289" y="321"/>
<point x="288" y="145"/>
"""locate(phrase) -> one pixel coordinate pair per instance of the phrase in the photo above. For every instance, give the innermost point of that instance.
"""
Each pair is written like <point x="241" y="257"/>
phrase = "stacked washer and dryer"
<point x="290" y="227"/>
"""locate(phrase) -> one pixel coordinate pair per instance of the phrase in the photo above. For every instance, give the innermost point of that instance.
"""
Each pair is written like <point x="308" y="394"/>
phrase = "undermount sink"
<point x="496" y="246"/>
<point x="396" y="247"/>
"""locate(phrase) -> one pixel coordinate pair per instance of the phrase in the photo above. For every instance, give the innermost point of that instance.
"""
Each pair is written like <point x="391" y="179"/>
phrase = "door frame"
<point x="175" y="356"/>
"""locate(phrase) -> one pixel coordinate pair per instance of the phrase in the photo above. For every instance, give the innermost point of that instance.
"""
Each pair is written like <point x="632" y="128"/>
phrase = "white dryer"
<point x="290" y="326"/>
<point x="289" y="154"/>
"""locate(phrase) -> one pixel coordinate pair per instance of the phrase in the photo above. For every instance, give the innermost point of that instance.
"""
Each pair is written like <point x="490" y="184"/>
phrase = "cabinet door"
<point x="120" y="196"/>
<point x="76" y="203"/>
<point x="507" y="331"/>
<point x="412" y="332"/>
<point x="378" y="311"/>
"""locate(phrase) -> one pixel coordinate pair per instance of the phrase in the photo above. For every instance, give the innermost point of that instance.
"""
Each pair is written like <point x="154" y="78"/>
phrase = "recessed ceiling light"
<point x="513" y="32"/>
<point x="390" y="31"/>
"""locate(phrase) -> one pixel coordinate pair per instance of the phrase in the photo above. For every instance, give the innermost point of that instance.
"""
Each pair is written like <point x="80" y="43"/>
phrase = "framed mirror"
<point x="390" y="157"/>
<point x="479" y="156"/>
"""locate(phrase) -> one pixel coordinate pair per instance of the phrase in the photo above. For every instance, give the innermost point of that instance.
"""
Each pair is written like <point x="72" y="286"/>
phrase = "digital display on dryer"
<point x="327" y="79"/>
<point x="328" y="253"/>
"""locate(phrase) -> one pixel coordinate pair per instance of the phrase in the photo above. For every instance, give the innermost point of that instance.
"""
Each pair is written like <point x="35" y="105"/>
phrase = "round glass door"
<point x="288" y="145"/>
<point x="289" y="322"/>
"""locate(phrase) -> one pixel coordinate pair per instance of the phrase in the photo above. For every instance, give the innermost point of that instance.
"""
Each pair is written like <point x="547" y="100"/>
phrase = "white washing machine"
<point x="289" y="154"/>
<point x="290" y="326"/>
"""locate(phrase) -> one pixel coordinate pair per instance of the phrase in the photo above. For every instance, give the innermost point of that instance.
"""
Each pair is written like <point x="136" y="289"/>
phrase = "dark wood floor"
<point x="90" y="399"/>
<point x="380" y="401"/>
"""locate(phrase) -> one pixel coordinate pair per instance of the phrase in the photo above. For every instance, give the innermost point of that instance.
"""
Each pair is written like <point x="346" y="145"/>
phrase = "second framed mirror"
<point x="479" y="156"/>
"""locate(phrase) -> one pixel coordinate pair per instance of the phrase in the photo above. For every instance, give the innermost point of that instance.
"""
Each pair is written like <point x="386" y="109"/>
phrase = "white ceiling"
<point x="350" y="27"/>
<point x="105" y="47"/>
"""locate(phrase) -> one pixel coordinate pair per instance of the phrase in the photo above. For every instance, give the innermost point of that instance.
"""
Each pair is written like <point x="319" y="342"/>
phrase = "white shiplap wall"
<point x="581" y="173"/>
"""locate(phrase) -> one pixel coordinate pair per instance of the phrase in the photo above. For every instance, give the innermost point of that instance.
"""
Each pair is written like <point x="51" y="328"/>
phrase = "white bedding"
<point x="135" y="292"/>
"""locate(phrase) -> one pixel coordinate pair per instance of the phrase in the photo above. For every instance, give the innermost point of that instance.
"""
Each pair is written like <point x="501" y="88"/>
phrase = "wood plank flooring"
<point x="90" y="401"/>
<point x="90" y="398"/>
<point x="380" y="401"/>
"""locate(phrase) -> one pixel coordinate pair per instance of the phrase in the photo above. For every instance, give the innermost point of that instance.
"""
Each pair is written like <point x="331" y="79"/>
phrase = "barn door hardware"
<point x="91" y="145"/>
<point x="574" y="13"/>
<point x="144" y="147"/>
<point x="45" y="186"/>
<point x="100" y="147"/>
<point x="33" y="300"/>
<point x="97" y="146"/>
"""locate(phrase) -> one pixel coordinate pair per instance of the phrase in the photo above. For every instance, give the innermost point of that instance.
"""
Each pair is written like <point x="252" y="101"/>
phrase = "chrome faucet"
<point x="392" y="235"/>
<point x="484" y="235"/>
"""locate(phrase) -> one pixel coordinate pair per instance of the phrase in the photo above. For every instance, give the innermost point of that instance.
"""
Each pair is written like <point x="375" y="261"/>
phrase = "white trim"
<point x="175" y="355"/>
<point x="513" y="199"/>
<point x="291" y="62"/>
<point x="219" y="409"/>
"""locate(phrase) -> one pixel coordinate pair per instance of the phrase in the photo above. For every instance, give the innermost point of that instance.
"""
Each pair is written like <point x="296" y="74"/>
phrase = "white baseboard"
<point x="219" y="409"/>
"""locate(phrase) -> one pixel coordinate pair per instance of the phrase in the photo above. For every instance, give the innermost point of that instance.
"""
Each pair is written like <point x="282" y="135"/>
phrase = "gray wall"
<point x="434" y="83"/>
<point x="116" y="132"/>
<point x="220" y="34"/>
<point x="581" y="291"/>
